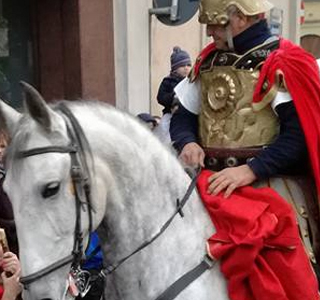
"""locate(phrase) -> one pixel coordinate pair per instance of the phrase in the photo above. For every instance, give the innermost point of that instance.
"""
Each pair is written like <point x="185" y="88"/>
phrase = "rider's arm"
<point x="184" y="122"/>
<point x="183" y="128"/>
<point x="166" y="93"/>
<point x="287" y="150"/>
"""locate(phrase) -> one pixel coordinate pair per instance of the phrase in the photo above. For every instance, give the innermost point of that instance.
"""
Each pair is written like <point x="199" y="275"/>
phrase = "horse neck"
<point x="140" y="181"/>
<point x="143" y="184"/>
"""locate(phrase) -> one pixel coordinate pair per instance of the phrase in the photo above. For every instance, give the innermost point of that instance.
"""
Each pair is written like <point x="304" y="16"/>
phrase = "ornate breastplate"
<point x="226" y="116"/>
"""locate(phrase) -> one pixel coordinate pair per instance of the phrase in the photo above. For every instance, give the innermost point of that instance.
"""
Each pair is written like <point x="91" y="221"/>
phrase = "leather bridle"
<point x="81" y="186"/>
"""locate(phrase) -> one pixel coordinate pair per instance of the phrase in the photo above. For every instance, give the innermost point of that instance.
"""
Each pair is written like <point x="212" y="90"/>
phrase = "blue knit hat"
<point x="179" y="58"/>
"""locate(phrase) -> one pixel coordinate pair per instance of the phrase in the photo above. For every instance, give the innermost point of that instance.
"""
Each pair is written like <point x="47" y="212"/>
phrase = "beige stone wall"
<point x="312" y="19"/>
<point x="291" y="16"/>
<point x="132" y="54"/>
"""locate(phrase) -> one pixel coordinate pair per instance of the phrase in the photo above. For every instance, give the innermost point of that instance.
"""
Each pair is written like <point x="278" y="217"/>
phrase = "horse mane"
<point x="19" y="140"/>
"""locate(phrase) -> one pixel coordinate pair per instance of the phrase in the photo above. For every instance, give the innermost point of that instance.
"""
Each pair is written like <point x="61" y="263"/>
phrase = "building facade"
<point x="110" y="50"/>
<point x="310" y="29"/>
<point x="64" y="47"/>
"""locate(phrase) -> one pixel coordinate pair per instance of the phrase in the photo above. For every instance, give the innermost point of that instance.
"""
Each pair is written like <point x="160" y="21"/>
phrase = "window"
<point x="16" y="61"/>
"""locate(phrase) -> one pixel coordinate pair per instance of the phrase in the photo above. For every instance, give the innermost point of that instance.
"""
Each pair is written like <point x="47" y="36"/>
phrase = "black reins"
<point x="181" y="283"/>
<point x="81" y="185"/>
<point x="180" y="204"/>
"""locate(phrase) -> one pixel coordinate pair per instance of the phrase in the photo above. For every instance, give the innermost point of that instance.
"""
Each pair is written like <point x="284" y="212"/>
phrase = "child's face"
<point x="1" y="260"/>
<point x="3" y="145"/>
<point x="183" y="70"/>
<point x="151" y="125"/>
<point x="1" y="253"/>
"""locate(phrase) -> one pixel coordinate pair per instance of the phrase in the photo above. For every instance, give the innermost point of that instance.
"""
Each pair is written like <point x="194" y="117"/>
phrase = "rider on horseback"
<point x="248" y="111"/>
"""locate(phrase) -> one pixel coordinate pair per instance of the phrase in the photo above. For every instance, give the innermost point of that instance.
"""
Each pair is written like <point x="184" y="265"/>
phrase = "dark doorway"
<point x="16" y="54"/>
<point x="311" y="43"/>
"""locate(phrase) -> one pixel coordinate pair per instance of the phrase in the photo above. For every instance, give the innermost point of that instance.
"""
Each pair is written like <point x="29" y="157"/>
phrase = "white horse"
<point x="135" y="184"/>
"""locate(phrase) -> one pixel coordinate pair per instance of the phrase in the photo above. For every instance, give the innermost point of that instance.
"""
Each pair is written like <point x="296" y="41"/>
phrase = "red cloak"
<point x="200" y="59"/>
<point x="257" y="238"/>
<point x="258" y="244"/>
<point x="299" y="72"/>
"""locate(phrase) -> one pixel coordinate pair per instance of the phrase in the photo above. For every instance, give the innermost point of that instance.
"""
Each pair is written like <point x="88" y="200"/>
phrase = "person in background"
<point x="10" y="269"/>
<point x="149" y="120"/>
<point x="157" y="119"/>
<point x="6" y="212"/>
<point x="3" y="145"/>
<point x="180" y="67"/>
<point x="9" y="263"/>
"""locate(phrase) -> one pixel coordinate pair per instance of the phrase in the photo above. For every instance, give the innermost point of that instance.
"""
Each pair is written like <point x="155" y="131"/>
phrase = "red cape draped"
<point x="1" y="292"/>
<point x="258" y="243"/>
<point x="257" y="238"/>
<point x="300" y="72"/>
<point x="200" y="59"/>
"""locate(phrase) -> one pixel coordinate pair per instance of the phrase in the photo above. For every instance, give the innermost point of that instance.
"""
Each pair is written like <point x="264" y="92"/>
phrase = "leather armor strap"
<point x="250" y="60"/>
<point x="179" y="285"/>
<point x="220" y="158"/>
<point x="303" y="216"/>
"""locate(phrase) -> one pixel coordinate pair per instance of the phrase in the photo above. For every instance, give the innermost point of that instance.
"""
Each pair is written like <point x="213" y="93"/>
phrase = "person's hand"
<point x="10" y="263"/>
<point x="229" y="179"/>
<point x="192" y="155"/>
<point x="12" y="286"/>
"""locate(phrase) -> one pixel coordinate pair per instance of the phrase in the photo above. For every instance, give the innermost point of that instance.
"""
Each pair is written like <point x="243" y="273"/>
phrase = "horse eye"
<point x="50" y="189"/>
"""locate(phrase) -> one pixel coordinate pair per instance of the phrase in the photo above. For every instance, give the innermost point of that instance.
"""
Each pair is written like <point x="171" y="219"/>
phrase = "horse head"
<point x="45" y="197"/>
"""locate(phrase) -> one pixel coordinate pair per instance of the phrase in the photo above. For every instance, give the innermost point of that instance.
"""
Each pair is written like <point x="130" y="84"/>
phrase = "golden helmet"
<point x="215" y="11"/>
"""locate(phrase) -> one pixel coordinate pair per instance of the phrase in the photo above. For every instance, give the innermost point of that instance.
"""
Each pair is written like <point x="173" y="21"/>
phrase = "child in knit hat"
<point x="180" y="68"/>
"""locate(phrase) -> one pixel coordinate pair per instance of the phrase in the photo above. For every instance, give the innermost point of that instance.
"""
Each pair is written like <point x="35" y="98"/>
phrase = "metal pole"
<point x="170" y="10"/>
<point x="174" y="10"/>
<point x="160" y="11"/>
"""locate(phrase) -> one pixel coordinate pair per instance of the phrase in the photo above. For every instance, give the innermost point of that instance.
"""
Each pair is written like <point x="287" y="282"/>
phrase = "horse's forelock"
<point x="24" y="131"/>
<point x="19" y="138"/>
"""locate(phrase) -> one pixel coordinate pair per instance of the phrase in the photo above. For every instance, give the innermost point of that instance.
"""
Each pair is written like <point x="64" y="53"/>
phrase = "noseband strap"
<point x="50" y="149"/>
<point x="26" y="280"/>
<point x="82" y="187"/>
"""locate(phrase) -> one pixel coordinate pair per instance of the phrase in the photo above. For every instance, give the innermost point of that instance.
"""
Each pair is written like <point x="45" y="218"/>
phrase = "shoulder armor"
<point x="253" y="59"/>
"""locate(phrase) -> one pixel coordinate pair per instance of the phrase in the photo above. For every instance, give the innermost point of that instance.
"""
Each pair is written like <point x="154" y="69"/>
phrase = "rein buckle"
<point x="79" y="281"/>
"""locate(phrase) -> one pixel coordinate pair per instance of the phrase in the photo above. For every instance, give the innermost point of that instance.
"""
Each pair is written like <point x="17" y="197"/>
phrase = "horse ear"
<point x="36" y="105"/>
<point x="9" y="117"/>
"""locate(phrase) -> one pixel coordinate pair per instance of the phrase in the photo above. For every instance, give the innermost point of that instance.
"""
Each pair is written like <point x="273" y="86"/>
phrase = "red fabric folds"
<point x="301" y="75"/>
<point x="258" y="244"/>
<point x="200" y="59"/>
<point x="1" y="292"/>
